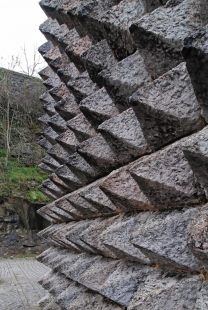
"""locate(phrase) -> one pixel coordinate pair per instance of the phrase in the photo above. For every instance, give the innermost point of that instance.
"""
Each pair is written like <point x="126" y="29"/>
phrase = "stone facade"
<point x="127" y="154"/>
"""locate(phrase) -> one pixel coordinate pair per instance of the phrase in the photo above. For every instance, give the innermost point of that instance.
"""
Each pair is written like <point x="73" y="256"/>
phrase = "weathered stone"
<point x="55" y="179"/>
<point x="47" y="213"/>
<point x="89" y="300"/>
<point x="57" y="123"/>
<point x="95" y="276"/>
<point x="67" y="207"/>
<point x="75" y="49"/>
<point x="49" y="7"/>
<point x="67" y="107"/>
<point x="52" y="82"/>
<point x="167" y="290"/>
<point x="78" y="268"/>
<point x="44" y="48"/>
<point x="120" y="82"/>
<point x="60" y="92"/>
<point x="68" y="37"/>
<point x="124" y="282"/>
<point x="97" y="58"/>
<point x="81" y="127"/>
<point x="167" y="108"/>
<point x="117" y="238"/>
<point x="52" y="54"/>
<point x="58" y="191"/>
<point x="44" y="119"/>
<point x="44" y="143"/>
<point x="70" y="294"/>
<point x="195" y="149"/>
<point x="70" y="178"/>
<point x="95" y="195"/>
<point x="98" y="107"/>
<point x="60" y="62"/>
<point x="124" y="134"/>
<point x="159" y="35"/>
<point x="124" y="191"/>
<point x="58" y="153"/>
<point x="82" y="168"/>
<point x="82" y="86"/>
<point x="68" y="141"/>
<point x="85" y="207"/>
<point x="45" y="168"/>
<point x="47" y="192"/>
<point x="195" y="54"/>
<point x="51" y="162"/>
<point x="91" y="236"/>
<point x="48" y="27"/>
<point x="68" y="72"/>
<point x="197" y="237"/>
<point x="46" y="73"/>
<point x="50" y="135"/>
<point x="167" y="180"/>
<point x="98" y="152"/>
<point x="162" y="238"/>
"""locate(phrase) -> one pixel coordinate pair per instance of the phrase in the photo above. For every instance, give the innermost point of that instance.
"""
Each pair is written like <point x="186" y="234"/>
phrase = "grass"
<point x="20" y="180"/>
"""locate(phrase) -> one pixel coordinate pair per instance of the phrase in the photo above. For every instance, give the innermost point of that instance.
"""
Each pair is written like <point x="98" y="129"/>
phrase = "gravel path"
<point x="19" y="289"/>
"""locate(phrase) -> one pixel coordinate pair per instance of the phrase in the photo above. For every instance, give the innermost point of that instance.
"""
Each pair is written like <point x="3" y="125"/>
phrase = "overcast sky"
<point x="19" y="27"/>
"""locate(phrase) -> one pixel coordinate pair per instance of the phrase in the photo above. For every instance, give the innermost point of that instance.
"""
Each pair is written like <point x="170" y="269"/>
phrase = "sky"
<point x="19" y="28"/>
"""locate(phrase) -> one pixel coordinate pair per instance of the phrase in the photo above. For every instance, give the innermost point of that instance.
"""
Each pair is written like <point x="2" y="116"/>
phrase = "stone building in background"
<point x="127" y="154"/>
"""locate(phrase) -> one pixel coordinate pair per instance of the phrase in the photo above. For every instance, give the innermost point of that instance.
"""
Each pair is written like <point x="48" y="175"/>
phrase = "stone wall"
<point x="127" y="154"/>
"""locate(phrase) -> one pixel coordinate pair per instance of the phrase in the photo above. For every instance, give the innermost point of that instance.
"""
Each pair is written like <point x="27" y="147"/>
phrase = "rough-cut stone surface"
<point x="159" y="35"/>
<point x="98" y="107"/>
<point x="167" y="108"/>
<point x="121" y="82"/>
<point x="98" y="58"/>
<point x="195" y="54"/>
<point x="126" y="137"/>
<point x="196" y="151"/>
<point x="167" y="179"/>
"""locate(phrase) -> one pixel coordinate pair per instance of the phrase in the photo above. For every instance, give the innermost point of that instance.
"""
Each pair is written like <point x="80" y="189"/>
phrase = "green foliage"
<point x="36" y="195"/>
<point x="21" y="180"/>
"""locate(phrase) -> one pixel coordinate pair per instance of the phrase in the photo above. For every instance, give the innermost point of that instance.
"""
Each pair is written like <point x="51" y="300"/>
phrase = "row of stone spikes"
<point x="81" y="279"/>
<point x="163" y="36"/>
<point x="121" y="138"/>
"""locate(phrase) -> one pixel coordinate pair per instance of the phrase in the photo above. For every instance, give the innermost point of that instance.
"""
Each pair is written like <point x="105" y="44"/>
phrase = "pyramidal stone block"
<point x="197" y="237"/>
<point x="159" y="35"/>
<point x="44" y="48"/>
<point x="50" y="135"/>
<point x="44" y="119"/>
<point x="155" y="238"/>
<point x="45" y="168"/>
<point x="167" y="179"/>
<point x="44" y="143"/>
<point x="98" y="107"/>
<point x="46" y="73"/>
<point x="75" y="49"/>
<point x="71" y="179"/>
<point x="97" y="151"/>
<point x="97" y="58"/>
<point x="52" y="82"/>
<point x="117" y="238"/>
<point x="67" y="107"/>
<point x="195" y="149"/>
<point x="52" y="54"/>
<point x="57" y="123"/>
<point x="68" y="72"/>
<point x="82" y="86"/>
<point x="59" y="92"/>
<point x="60" y="62"/>
<point x="51" y="162"/>
<point x="121" y="188"/>
<point x="68" y="141"/>
<point x="65" y="205"/>
<point x="167" y="108"/>
<point x="195" y="54"/>
<point x="81" y="127"/>
<point x="58" y="153"/>
<point x="120" y="82"/>
<point x="124" y="134"/>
